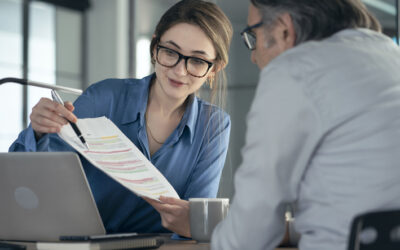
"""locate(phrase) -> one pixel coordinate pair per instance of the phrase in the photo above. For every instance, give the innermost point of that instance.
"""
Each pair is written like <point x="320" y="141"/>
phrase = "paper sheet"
<point x="113" y="153"/>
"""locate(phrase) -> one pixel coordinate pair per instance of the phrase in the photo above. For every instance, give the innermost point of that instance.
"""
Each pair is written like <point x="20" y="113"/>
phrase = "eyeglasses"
<point x="249" y="37"/>
<point x="195" y="66"/>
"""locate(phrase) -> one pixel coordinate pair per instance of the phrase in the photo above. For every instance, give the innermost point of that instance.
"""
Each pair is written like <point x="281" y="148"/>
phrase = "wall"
<point x="68" y="27"/>
<point x="107" y="45"/>
<point x="242" y="80"/>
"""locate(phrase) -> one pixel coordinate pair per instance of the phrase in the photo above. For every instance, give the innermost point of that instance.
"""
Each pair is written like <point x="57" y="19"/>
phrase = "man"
<point x="323" y="131"/>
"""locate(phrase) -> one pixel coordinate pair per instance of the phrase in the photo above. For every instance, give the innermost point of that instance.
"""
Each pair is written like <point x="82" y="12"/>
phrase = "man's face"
<point x="269" y="44"/>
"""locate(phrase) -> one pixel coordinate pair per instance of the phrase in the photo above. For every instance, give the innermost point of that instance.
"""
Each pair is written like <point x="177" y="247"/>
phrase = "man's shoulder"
<point x="341" y="46"/>
<point x="317" y="56"/>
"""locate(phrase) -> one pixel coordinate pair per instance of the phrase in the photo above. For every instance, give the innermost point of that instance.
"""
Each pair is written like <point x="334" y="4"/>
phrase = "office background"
<point x="75" y="43"/>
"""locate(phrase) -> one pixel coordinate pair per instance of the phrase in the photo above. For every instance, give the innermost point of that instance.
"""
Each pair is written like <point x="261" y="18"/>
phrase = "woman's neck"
<point x="164" y="106"/>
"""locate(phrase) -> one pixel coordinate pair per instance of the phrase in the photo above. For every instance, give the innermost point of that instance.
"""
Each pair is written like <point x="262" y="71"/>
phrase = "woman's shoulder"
<point x="212" y="121"/>
<point x="117" y="85"/>
<point x="211" y="111"/>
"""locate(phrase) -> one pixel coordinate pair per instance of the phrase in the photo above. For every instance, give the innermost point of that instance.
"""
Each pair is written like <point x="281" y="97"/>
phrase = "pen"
<point x="56" y="97"/>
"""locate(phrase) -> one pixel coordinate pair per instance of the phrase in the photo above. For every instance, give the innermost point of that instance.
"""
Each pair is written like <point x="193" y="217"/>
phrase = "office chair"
<point x="375" y="231"/>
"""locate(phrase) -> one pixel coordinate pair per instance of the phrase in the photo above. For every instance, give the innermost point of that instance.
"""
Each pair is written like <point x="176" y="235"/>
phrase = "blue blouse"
<point x="191" y="158"/>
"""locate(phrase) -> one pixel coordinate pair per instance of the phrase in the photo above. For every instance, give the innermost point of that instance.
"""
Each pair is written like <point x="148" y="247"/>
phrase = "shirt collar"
<point x="189" y="119"/>
<point x="137" y="95"/>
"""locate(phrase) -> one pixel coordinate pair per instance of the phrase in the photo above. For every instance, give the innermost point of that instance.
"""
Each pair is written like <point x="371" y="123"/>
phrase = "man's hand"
<point x="174" y="214"/>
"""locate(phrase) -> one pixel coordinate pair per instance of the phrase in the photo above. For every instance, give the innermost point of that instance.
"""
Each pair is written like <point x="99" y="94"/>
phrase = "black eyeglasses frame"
<point x="186" y="58"/>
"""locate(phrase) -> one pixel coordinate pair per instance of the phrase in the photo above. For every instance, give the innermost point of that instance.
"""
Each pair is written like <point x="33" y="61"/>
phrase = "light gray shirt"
<point x="324" y="132"/>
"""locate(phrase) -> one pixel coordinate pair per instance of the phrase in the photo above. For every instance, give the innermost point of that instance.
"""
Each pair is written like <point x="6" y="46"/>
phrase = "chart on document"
<point x="113" y="153"/>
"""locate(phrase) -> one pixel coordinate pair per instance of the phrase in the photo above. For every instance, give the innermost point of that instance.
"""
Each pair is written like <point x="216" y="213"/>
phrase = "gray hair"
<point x="317" y="19"/>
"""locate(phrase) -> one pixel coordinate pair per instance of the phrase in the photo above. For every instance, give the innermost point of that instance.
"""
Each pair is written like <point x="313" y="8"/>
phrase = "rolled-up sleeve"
<point x="26" y="141"/>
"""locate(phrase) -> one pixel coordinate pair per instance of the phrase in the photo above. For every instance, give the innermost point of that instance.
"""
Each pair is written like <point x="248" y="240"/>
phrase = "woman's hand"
<point x="48" y="116"/>
<point x="174" y="214"/>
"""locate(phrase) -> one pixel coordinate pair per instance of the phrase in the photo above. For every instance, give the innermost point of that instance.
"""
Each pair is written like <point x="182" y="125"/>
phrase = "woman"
<point x="185" y="137"/>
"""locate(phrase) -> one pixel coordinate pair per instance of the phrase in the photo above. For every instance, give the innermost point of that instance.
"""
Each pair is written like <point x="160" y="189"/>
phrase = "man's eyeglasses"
<point x="249" y="37"/>
<point x="195" y="66"/>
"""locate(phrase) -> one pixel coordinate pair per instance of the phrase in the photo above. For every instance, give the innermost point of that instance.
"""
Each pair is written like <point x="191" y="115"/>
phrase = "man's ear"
<point x="287" y="31"/>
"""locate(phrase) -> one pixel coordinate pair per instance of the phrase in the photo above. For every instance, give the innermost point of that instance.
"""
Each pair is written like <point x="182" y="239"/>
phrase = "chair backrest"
<point x="376" y="231"/>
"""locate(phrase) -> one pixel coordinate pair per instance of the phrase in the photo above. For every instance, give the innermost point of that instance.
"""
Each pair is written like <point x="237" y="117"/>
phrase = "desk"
<point x="169" y="244"/>
<point x="191" y="245"/>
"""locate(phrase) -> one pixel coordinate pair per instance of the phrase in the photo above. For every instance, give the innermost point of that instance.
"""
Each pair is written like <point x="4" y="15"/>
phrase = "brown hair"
<point x="210" y="18"/>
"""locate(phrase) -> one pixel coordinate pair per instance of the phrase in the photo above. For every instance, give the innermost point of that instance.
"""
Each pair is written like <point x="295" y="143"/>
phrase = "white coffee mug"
<point x="205" y="214"/>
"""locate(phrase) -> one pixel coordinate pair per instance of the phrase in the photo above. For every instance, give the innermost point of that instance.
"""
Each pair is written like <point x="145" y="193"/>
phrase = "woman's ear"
<point x="211" y="75"/>
<point x="154" y="52"/>
<point x="153" y="59"/>
<point x="216" y="68"/>
<point x="211" y="79"/>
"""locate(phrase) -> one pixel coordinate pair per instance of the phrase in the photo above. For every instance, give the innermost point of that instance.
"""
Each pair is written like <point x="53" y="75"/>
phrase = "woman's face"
<point x="188" y="40"/>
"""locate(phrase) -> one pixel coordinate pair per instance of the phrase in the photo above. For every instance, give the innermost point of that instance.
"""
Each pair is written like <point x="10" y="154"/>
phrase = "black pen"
<point x="56" y="97"/>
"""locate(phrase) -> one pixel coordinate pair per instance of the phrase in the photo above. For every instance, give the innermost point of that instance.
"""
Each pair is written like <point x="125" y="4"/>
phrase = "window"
<point x="386" y="12"/>
<point x="10" y="65"/>
<point x="41" y="63"/>
<point x="143" y="60"/>
<point x="54" y="56"/>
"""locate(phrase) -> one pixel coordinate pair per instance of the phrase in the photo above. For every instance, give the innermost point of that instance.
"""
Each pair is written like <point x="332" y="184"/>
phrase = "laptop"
<point x="44" y="196"/>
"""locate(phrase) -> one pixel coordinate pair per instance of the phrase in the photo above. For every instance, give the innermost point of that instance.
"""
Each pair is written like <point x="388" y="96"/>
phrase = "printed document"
<point x="113" y="153"/>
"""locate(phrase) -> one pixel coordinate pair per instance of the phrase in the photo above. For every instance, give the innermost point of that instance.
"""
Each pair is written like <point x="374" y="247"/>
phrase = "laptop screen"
<point x="44" y="196"/>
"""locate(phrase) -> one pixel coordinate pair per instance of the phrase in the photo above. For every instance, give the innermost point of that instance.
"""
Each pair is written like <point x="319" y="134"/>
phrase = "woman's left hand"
<point x="174" y="214"/>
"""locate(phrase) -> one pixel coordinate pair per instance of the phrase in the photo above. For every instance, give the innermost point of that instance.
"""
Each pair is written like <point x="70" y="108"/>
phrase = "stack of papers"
<point x="114" y="154"/>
